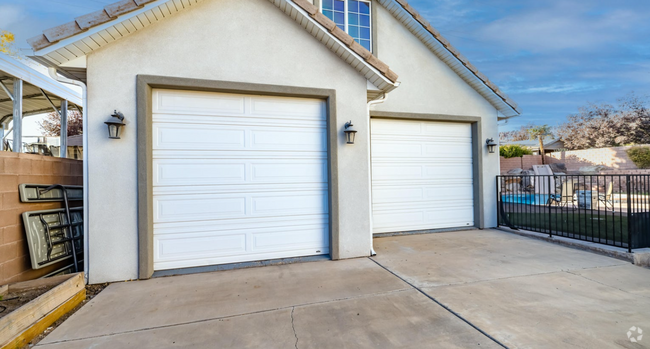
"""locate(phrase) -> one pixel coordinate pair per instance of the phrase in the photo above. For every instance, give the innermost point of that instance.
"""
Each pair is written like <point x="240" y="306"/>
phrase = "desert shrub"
<point x="514" y="151"/>
<point x="640" y="156"/>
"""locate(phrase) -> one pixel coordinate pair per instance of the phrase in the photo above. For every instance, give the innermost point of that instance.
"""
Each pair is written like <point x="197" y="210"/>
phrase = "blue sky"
<point x="551" y="56"/>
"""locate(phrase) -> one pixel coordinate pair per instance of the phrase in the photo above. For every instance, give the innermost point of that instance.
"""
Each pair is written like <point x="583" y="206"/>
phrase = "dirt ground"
<point x="13" y="301"/>
<point x="91" y="292"/>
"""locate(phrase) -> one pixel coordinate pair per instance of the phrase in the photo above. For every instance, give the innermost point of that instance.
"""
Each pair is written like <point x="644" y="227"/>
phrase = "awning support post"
<point x="18" y="116"/>
<point x="64" y="129"/>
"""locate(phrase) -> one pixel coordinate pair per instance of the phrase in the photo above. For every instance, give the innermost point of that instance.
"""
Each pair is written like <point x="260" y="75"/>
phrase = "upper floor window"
<point x="352" y="16"/>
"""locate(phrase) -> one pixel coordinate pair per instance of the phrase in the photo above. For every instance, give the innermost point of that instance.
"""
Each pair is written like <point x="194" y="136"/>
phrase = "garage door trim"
<point x="477" y="150"/>
<point x="146" y="83"/>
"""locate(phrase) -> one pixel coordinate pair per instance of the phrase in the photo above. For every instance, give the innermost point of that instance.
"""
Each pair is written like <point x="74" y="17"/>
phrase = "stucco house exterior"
<point x="234" y="147"/>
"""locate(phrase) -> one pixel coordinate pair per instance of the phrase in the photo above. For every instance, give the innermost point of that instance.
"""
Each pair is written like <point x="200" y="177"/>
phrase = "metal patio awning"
<point x="26" y="91"/>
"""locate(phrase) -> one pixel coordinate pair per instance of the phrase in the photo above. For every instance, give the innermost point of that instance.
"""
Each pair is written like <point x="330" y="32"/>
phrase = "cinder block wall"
<point x="613" y="158"/>
<point x="17" y="169"/>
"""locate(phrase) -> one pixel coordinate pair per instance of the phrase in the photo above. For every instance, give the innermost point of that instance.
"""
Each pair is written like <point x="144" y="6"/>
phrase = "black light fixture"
<point x="115" y="124"/>
<point x="491" y="145"/>
<point x="350" y="132"/>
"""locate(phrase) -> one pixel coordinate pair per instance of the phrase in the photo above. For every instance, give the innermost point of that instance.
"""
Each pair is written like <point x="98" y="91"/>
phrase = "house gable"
<point x="71" y="41"/>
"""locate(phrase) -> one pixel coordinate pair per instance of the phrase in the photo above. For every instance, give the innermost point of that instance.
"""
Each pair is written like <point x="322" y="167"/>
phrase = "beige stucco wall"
<point x="429" y="86"/>
<point x="231" y="40"/>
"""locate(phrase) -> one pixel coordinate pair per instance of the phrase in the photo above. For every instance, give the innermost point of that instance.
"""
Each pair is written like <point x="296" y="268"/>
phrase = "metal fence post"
<point x="498" y="203"/>
<point x="629" y="214"/>
<point x="551" y="191"/>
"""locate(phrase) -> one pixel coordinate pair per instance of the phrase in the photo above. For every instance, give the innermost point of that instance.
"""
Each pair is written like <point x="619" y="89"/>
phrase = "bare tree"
<point x="51" y="125"/>
<point x="516" y="135"/>
<point x="604" y="125"/>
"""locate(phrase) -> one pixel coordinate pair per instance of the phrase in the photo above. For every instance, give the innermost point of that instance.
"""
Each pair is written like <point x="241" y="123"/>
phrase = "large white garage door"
<point x="237" y="178"/>
<point x="421" y="175"/>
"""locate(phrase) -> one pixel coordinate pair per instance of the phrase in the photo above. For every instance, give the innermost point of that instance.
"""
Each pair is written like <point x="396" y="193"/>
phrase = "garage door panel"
<point x="167" y="136"/>
<point x="287" y="107"/>
<point x="408" y="129"/>
<point x="274" y="139"/>
<point x="298" y="238"/>
<point x="187" y="208"/>
<point x="198" y="207"/>
<point x="409" y="193"/>
<point x="192" y="172"/>
<point x="189" y="102"/>
<point x="409" y="220"/>
<point x="197" y="172"/>
<point x="190" y="137"/>
<point x="211" y="247"/>
<point x="422" y="175"/>
<point x="285" y="171"/>
<point x="402" y="171"/>
<point x="238" y="178"/>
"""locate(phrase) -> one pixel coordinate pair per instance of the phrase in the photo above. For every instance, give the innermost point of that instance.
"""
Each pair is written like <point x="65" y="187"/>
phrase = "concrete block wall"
<point x="613" y="158"/>
<point x="15" y="169"/>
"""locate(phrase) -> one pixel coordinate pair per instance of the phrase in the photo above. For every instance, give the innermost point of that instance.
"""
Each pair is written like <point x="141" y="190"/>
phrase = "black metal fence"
<point x="607" y="209"/>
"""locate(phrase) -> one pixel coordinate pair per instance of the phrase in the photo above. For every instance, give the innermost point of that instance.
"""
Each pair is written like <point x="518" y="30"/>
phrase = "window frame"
<point x="347" y="14"/>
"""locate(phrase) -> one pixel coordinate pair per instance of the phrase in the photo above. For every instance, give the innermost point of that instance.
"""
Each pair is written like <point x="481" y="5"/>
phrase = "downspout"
<point x="378" y="100"/>
<point x="84" y="116"/>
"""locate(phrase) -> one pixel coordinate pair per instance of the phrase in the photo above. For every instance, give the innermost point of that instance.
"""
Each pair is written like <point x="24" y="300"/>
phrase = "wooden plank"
<point x="21" y="319"/>
<point x="31" y="284"/>
<point x="41" y="325"/>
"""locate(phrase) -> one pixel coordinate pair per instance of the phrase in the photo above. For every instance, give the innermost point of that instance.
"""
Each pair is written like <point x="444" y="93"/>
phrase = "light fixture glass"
<point x="350" y="132"/>
<point x="115" y="124"/>
<point x="491" y="145"/>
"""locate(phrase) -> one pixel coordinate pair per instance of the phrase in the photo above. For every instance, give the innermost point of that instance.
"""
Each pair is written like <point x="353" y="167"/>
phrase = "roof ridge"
<point x="436" y="34"/>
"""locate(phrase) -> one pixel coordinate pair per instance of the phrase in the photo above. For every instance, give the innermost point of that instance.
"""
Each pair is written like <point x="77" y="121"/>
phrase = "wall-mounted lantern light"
<point x="491" y="145"/>
<point x="350" y="132"/>
<point x="115" y="124"/>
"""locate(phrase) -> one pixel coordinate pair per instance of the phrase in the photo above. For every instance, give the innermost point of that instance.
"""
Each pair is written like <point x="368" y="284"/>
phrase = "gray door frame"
<point x="144" y="86"/>
<point x="477" y="150"/>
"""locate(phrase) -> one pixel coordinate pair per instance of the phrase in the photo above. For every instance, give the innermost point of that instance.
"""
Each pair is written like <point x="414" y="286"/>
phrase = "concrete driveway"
<point x="486" y="289"/>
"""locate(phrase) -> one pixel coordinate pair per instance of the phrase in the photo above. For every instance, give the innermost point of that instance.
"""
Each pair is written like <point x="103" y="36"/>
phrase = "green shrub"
<point x="640" y="156"/>
<point x="514" y="151"/>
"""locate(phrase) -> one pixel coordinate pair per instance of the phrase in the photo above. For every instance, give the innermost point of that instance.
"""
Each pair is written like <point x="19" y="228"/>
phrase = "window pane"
<point x="364" y="33"/>
<point x="328" y="4"/>
<point x="364" y="20"/>
<point x="339" y="18"/>
<point x="366" y="44"/>
<point x="339" y="5"/>
<point x="329" y="14"/>
<point x="353" y="6"/>
<point x="353" y="30"/>
<point x="364" y="7"/>
<point x="353" y="19"/>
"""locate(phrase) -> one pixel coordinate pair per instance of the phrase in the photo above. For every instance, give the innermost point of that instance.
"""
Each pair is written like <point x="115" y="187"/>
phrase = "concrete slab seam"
<point x="600" y="283"/>
<point x="229" y="316"/>
<point x="443" y="306"/>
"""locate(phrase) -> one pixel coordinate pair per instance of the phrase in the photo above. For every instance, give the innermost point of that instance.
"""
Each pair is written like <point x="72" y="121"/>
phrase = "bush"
<point x="514" y="151"/>
<point x="640" y="156"/>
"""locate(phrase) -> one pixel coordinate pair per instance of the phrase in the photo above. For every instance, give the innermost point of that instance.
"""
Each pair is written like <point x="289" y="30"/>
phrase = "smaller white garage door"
<point x="421" y="175"/>
<point x="237" y="178"/>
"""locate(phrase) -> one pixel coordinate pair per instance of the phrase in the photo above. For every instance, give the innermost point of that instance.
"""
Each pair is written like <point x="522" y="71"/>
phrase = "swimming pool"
<point x="527" y="199"/>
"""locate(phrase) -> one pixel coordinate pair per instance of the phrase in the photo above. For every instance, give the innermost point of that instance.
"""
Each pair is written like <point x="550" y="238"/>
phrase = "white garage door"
<point x="421" y="175"/>
<point x="237" y="178"/>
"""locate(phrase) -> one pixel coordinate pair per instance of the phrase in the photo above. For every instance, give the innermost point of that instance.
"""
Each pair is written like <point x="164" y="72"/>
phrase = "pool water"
<point x="527" y="199"/>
